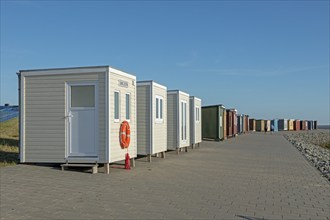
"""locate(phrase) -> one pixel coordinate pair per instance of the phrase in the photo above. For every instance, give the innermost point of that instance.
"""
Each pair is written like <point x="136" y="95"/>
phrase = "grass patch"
<point x="9" y="142"/>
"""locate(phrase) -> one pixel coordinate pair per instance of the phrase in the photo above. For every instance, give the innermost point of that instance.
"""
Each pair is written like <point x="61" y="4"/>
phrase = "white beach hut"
<point x="74" y="115"/>
<point x="267" y="124"/>
<point x="151" y="119"/>
<point x="195" y="121"/>
<point x="178" y="133"/>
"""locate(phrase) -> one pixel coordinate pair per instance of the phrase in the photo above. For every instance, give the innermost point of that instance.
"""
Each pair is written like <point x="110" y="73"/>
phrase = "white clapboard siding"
<point x="116" y="152"/>
<point x="152" y="133"/>
<point x="174" y="99"/>
<point x="195" y="125"/>
<point x="43" y="130"/>
<point x="159" y="138"/>
<point x="184" y="97"/>
<point x="172" y="118"/>
<point x="143" y="119"/>
<point x="44" y="110"/>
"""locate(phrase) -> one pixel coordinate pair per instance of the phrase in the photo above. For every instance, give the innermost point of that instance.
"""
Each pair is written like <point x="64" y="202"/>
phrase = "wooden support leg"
<point x="163" y="154"/>
<point x="106" y="168"/>
<point x="178" y="151"/>
<point x="186" y="149"/>
<point x="133" y="162"/>
<point x="149" y="158"/>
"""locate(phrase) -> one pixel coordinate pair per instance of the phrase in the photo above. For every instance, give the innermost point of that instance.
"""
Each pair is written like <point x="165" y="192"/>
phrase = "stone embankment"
<point x="309" y="143"/>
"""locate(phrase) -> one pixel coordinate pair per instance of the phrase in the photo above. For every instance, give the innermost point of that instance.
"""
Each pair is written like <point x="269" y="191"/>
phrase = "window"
<point x="128" y="107"/>
<point x="183" y="121"/>
<point x="197" y="112"/>
<point x="159" y="109"/>
<point x="116" y="106"/>
<point x="83" y="96"/>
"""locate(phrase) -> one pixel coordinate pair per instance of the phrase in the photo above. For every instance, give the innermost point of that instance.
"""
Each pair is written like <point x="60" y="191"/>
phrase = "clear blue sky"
<point x="265" y="58"/>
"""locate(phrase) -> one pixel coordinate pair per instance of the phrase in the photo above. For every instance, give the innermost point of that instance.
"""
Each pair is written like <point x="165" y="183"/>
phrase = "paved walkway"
<point x="251" y="177"/>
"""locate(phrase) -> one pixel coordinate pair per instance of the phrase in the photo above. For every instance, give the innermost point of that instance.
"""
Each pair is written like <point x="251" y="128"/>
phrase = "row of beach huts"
<point x="220" y="123"/>
<point x="98" y="115"/>
<point x="282" y="125"/>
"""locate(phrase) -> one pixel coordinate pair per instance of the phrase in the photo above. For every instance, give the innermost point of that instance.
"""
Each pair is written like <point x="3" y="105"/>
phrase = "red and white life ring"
<point x="125" y="134"/>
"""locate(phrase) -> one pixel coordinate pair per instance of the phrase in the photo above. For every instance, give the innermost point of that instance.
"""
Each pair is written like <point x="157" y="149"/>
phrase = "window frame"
<point x="114" y="106"/>
<point x="184" y="118"/>
<point x="197" y="114"/>
<point x="129" y="106"/>
<point x="160" y="111"/>
<point x="82" y="107"/>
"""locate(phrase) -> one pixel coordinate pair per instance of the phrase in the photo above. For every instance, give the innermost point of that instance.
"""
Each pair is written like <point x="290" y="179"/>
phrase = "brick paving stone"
<point x="252" y="176"/>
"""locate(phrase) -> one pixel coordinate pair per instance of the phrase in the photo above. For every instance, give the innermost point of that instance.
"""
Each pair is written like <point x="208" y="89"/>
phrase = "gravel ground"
<point x="308" y="143"/>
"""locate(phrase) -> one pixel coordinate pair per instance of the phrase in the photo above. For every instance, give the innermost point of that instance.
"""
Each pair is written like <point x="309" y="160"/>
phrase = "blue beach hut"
<point x="239" y="124"/>
<point x="282" y="124"/>
<point x="274" y="123"/>
<point x="310" y="125"/>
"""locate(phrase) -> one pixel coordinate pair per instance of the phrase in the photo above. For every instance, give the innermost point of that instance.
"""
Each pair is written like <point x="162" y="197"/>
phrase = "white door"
<point x="82" y="119"/>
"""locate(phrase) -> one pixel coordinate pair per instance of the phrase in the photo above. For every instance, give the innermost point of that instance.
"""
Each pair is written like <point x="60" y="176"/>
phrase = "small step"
<point x="93" y="166"/>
